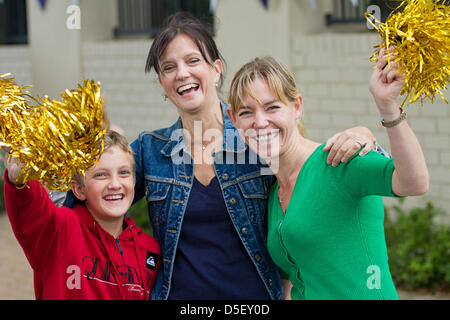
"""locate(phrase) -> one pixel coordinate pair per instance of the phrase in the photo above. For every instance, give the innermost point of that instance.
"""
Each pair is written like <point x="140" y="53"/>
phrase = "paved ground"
<point x="16" y="276"/>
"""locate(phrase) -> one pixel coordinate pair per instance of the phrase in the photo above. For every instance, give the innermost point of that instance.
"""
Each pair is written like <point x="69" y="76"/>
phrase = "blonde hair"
<point x="111" y="139"/>
<point x="278" y="78"/>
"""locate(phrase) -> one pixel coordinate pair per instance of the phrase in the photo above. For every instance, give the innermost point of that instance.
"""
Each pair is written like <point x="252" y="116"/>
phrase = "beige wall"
<point x="134" y="100"/>
<point x="245" y="30"/>
<point x="16" y="60"/>
<point x="98" y="19"/>
<point x="54" y="49"/>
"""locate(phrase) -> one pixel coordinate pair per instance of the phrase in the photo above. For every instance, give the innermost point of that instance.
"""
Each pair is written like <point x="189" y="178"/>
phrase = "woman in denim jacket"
<point x="206" y="191"/>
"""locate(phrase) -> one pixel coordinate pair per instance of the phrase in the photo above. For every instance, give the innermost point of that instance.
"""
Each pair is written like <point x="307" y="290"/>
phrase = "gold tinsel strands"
<point x="419" y="39"/>
<point x="12" y="106"/>
<point x="54" y="139"/>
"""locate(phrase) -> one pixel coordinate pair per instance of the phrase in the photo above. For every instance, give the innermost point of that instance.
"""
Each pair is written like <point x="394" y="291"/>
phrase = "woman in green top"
<point x="325" y="224"/>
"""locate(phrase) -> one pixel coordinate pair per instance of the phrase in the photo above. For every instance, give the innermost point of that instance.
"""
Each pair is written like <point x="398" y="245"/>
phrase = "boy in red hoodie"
<point x="91" y="251"/>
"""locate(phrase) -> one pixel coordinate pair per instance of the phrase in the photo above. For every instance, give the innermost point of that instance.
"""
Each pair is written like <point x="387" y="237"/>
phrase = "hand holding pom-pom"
<point x="55" y="139"/>
<point x="420" y="37"/>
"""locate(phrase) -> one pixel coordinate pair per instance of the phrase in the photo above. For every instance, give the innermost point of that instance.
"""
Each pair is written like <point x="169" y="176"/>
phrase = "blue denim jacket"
<point x="164" y="175"/>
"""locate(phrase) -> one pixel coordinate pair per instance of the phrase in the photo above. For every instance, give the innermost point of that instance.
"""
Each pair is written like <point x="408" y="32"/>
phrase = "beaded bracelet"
<point x="393" y="123"/>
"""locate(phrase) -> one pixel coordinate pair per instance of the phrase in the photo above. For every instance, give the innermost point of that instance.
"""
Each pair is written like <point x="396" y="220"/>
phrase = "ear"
<point x="218" y="67"/>
<point x="231" y="116"/>
<point x="78" y="190"/>
<point x="298" y="106"/>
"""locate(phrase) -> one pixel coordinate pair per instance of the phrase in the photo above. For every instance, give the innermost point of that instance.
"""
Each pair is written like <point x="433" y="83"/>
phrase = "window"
<point x="148" y="16"/>
<point x="13" y="22"/>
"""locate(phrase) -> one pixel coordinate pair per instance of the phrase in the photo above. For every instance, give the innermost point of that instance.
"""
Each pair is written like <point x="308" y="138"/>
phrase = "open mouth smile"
<point x="266" y="137"/>
<point x="187" y="88"/>
<point x="114" y="197"/>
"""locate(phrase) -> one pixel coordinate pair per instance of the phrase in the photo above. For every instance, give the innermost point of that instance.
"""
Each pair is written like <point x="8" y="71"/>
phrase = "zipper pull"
<point x="119" y="246"/>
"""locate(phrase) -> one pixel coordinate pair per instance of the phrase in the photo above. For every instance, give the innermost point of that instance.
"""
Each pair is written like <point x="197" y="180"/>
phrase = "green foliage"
<point x="418" y="248"/>
<point x="139" y="213"/>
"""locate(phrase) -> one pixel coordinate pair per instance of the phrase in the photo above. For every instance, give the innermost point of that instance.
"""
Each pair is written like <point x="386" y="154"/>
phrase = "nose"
<point x="114" y="183"/>
<point x="260" y="120"/>
<point x="182" y="72"/>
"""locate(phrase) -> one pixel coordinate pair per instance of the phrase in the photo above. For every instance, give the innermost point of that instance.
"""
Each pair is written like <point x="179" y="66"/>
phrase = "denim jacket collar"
<point x="176" y="142"/>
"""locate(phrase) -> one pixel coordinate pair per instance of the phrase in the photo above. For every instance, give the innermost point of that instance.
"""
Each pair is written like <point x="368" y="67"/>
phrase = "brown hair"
<point x="278" y="78"/>
<point x="183" y="23"/>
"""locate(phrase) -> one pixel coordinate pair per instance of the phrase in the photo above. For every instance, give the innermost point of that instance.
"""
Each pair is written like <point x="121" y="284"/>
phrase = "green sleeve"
<point x="368" y="175"/>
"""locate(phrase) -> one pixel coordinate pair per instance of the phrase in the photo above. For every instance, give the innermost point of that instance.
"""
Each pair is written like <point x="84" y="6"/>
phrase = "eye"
<point x="273" y="108"/>
<point x="99" y="175"/>
<point x="244" y="112"/>
<point x="194" y="60"/>
<point x="167" y="68"/>
<point x="125" y="172"/>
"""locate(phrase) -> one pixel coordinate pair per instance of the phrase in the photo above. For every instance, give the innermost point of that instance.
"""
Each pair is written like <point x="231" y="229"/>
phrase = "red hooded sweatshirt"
<point x="72" y="256"/>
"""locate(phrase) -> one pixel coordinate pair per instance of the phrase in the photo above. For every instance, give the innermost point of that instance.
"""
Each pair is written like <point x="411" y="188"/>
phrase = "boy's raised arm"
<point x="34" y="218"/>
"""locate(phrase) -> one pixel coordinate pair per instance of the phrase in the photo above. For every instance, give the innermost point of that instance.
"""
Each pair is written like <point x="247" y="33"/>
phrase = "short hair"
<point x="278" y="78"/>
<point x="183" y="23"/>
<point x="111" y="139"/>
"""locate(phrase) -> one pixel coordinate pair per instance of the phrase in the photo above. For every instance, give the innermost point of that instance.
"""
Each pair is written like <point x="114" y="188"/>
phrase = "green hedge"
<point x="139" y="213"/>
<point x="418" y="248"/>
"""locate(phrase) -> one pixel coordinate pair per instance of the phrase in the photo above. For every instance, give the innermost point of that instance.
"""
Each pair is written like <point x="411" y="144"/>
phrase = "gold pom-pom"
<point x="419" y="40"/>
<point x="55" y="139"/>
<point x="13" y="101"/>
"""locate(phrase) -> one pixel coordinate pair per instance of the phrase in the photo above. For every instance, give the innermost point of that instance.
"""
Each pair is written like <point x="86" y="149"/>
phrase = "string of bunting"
<point x="53" y="139"/>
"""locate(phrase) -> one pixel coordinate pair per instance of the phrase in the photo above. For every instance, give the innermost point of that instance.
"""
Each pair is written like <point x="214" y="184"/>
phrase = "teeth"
<point x="266" y="137"/>
<point x="115" y="197"/>
<point x="187" y="87"/>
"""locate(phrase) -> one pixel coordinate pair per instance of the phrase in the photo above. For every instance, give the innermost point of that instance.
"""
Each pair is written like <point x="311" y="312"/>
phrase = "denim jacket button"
<point x="244" y="230"/>
<point x="233" y="201"/>
<point x="257" y="257"/>
<point x="270" y="282"/>
<point x="225" y="176"/>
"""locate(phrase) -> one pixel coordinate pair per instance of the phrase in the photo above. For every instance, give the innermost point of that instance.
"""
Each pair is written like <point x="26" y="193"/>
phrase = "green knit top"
<point x="331" y="244"/>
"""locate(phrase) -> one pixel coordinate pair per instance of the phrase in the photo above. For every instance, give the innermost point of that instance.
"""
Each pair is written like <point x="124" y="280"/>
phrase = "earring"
<point x="165" y="97"/>
<point x="217" y="84"/>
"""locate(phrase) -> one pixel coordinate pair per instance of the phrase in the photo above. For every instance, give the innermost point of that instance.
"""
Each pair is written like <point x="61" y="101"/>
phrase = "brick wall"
<point x="16" y="60"/>
<point x="333" y="72"/>
<point x="134" y="99"/>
